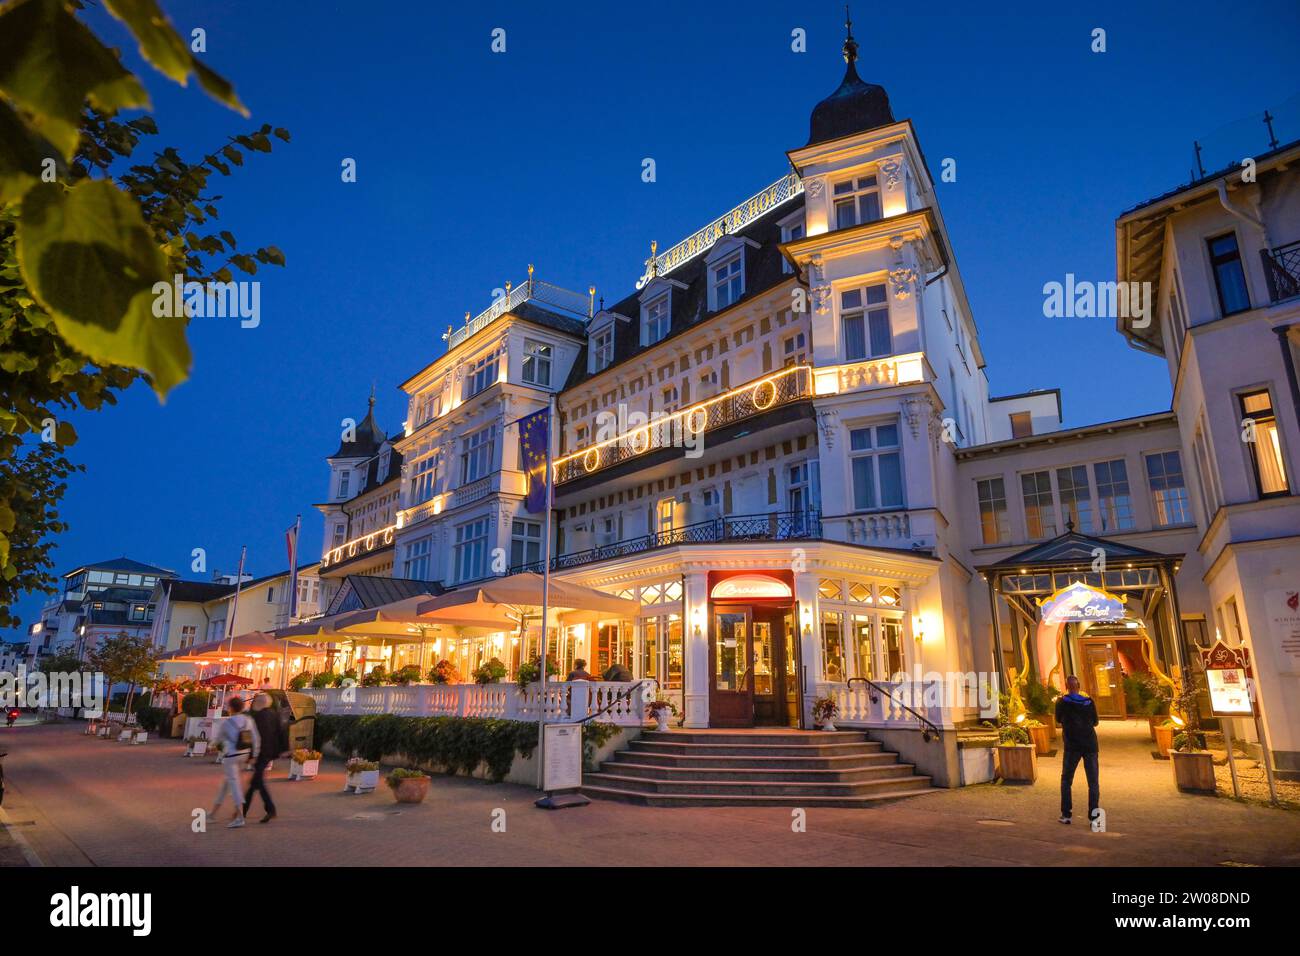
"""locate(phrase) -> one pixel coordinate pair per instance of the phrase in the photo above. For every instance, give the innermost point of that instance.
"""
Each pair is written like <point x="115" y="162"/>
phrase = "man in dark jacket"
<point x="1076" y="715"/>
<point x="268" y="729"/>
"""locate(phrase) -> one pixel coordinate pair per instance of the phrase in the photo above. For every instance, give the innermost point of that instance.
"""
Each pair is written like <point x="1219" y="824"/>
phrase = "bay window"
<point x="877" y="468"/>
<point x="864" y="323"/>
<point x="857" y="201"/>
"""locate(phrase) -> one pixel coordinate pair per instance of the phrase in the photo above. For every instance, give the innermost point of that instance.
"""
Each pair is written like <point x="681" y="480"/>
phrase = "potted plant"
<point x="1016" y="756"/>
<point x="1193" y="764"/>
<point x="530" y="671"/>
<point x="377" y="676"/>
<point x="491" y="672"/>
<point x="299" y="681"/>
<point x="140" y="737"/>
<point x="349" y="674"/>
<point x="659" y="711"/>
<point x="1040" y="703"/>
<point x="824" y="712"/>
<point x="196" y="746"/>
<point x="1040" y="734"/>
<point x="444" y="672"/>
<point x="362" y="775"/>
<point x="405" y="675"/>
<point x="1165" y="736"/>
<point x="304" y="764"/>
<point x="324" y="679"/>
<point x="408" y="786"/>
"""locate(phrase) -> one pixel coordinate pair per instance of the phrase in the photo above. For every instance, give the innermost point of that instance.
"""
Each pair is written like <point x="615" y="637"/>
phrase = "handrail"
<point x="622" y="695"/>
<point x="932" y="731"/>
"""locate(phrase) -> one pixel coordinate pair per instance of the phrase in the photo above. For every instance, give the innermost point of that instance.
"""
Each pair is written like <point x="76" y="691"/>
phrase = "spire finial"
<point x="372" y="396"/>
<point x="850" y="44"/>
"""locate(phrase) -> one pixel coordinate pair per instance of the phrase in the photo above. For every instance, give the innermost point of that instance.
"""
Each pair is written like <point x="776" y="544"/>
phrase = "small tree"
<point x="124" y="659"/>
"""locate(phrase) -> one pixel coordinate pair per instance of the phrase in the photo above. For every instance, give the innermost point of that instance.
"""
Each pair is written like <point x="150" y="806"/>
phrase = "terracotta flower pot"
<point x="411" y="790"/>
<point x="1042" y="737"/>
<point x="1017" y="763"/>
<point x="1164" y="740"/>
<point x="1194" y="771"/>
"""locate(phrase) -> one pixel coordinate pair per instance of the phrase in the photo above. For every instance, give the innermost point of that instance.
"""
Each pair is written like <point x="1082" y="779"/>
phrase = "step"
<point x="856" y="761"/>
<point x="750" y="775"/>
<point x="773" y="789"/>
<point x="707" y="800"/>
<point x="756" y="750"/>
<point x="773" y="736"/>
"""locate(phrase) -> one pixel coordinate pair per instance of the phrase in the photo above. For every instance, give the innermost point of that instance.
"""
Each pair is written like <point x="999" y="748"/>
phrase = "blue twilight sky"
<point x="473" y="164"/>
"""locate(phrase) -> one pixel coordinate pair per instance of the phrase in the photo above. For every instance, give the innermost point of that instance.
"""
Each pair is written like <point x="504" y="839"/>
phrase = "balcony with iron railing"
<point x="532" y="290"/>
<point x="777" y="526"/>
<point x="1282" y="271"/>
<point x="681" y="428"/>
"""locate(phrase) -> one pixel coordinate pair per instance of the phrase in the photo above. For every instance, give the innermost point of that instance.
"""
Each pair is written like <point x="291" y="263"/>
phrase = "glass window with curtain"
<point x="1076" y="500"/>
<point x="877" y="467"/>
<point x="863" y="642"/>
<point x="1264" y="443"/>
<point x="1040" y="516"/>
<point x="1114" y="503"/>
<point x="833" y="668"/>
<point x="994" y="526"/>
<point x="1229" y="277"/>
<point x="864" y="320"/>
<point x="1168" y="489"/>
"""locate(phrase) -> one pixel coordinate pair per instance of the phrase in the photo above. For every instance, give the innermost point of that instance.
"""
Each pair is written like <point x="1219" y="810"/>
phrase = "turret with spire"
<point x="856" y="106"/>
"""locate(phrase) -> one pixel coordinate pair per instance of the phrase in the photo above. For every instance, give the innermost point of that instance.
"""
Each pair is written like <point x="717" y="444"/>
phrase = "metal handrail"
<point x="621" y="696"/>
<point x="1282" y="271"/>
<point x="932" y="731"/>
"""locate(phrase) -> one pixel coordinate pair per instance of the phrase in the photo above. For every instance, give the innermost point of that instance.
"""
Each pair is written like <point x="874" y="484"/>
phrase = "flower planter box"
<point x="363" y="782"/>
<point x="140" y="737"/>
<point x="105" y="730"/>
<point x="1049" y="721"/>
<point x="411" y="789"/>
<point x="124" y="736"/>
<point x="1017" y="763"/>
<point x="1042" y="737"/>
<point x="1194" y="771"/>
<point x="1164" y="740"/>
<point x="196" y="748"/>
<point x="307" y="770"/>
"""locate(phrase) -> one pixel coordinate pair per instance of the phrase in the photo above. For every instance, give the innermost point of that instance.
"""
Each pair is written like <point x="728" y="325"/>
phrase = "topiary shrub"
<point x="195" y="704"/>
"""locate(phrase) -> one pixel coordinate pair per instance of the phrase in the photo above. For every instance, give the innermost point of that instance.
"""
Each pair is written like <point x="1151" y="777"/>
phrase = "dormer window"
<point x="537" y="363"/>
<point x="602" y="348"/>
<point x="856" y="201"/>
<point x="345" y="477"/>
<point x="790" y="231"/>
<point x="728" y="282"/>
<point x="656" y="320"/>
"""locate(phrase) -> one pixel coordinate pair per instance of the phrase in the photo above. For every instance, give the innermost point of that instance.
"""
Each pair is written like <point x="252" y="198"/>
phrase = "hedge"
<point x="456" y="744"/>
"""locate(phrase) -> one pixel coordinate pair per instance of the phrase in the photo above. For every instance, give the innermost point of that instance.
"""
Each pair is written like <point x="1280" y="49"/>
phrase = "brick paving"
<point x="82" y="801"/>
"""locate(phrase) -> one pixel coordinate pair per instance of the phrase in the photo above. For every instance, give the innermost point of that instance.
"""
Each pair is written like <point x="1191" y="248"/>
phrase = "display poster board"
<point x="563" y="755"/>
<point x="1228" y="678"/>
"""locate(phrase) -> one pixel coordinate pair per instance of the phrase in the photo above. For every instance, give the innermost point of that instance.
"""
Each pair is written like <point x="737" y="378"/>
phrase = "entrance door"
<point x="1102" y="679"/>
<point x="772" y="667"/>
<point x="731" y="651"/>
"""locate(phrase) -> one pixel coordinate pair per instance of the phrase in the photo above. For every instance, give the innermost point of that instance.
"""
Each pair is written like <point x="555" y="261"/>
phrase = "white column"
<point x="695" y="605"/>
<point x="810" y="650"/>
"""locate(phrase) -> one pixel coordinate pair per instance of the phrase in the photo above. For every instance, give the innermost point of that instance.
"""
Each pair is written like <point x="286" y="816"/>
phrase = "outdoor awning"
<point x="252" y="644"/>
<point x="517" y="592"/>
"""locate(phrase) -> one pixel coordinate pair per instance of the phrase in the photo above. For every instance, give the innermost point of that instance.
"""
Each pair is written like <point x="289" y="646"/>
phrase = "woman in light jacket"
<point x="238" y="741"/>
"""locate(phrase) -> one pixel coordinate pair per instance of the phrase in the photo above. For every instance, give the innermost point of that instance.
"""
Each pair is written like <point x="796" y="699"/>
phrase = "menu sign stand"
<point x="1232" y="694"/>
<point x="562" y="767"/>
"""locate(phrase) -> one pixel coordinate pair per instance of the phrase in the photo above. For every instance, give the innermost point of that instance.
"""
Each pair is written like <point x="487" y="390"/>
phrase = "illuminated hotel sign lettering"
<point x="761" y="203"/>
<point x="1080" y="603"/>
<point x="749" y="586"/>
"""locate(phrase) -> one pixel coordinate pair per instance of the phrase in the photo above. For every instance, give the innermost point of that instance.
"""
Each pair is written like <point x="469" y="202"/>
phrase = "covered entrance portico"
<point x="1087" y="606"/>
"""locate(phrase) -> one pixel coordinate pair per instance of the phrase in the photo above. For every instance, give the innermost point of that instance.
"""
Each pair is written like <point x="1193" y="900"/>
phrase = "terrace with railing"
<point x="532" y="290"/>
<point x="784" y="387"/>
<point x="1282" y="271"/>
<point x="777" y="526"/>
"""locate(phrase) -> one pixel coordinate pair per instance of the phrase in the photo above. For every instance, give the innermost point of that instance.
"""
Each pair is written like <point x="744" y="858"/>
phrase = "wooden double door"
<point x="753" y="667"/>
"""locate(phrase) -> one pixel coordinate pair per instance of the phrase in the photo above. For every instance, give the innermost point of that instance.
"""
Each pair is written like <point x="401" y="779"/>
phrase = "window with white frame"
<point x="340" y="533"/>
<point x="1263" y="443"/>
<point x="656" y="320"/>
<point x="1076" y="501"/>
<point x="1114" y="502"/>
<point x="1169" y="501"/>
<point x="789" y="233"/>
<point x="525" y="542"/>
<point x="345" y="479"/>
<point x="995" y="528"/>
<point x="477" y="454"/>
<point x="471" y="549"/>
<point x="1040" y="513"/>
<point x="424" y="480"/>
<point x="877" y="467"/>
<point x="479" y="375"/>
<point x="864" y="322"/>
<point x="728" y="283"/>
<point x="856" y="201"/>
<point x="794" y="349"/>
<point x="537" y="363"/>
<point x="189" y="634"/>
<point x="803" y="486"/>
<point x="415" y="560"/>
<point x="602" y="348"/>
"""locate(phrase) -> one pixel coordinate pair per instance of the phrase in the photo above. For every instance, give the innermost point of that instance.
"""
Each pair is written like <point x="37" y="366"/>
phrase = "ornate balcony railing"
<point x="779" y="526"/>
<point x="1282" y="271"/>
<point x="753" y="398"/>
<point x="532" y="289"/>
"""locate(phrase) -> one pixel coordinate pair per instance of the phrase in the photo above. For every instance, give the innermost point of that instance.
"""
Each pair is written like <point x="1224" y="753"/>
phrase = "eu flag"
<point x="534" y="440"/>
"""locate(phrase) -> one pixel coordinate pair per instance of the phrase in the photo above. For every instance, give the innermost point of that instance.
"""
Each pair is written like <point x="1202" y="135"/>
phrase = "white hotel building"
<point x="861" y="504"/>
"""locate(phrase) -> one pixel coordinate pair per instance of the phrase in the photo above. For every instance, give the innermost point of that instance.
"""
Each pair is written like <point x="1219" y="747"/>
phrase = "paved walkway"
<point x="82" y="801"/>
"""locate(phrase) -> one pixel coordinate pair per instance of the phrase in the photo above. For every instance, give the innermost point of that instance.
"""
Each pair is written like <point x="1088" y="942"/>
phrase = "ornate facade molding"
<point x="828" y="422"/>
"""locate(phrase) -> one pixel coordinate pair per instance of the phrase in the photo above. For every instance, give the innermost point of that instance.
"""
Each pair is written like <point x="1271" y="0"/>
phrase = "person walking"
<point x="238" y="740"/>
<point x="269" y="747"/>
<point x="1076" y="715"/>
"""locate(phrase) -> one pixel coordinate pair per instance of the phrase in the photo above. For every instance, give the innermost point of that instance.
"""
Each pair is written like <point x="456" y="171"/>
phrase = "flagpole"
<point x="293" y="596"/>
<point x="234" y="603"/>
<point x="546" y="593"/>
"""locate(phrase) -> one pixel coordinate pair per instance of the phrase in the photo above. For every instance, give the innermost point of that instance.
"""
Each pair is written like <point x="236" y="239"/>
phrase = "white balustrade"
<point x="889" y="708"/>
<point x="562" y="701"/>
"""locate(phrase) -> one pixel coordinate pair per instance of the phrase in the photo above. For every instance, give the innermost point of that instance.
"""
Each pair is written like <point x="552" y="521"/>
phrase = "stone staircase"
<point x="756" y="768"/>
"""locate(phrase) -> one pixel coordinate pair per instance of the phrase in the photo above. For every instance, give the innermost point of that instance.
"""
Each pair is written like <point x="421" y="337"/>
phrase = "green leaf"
<point x="163" y="47"/>
<point x="7" y="518"/>
<point x="22" y="153"/>
<point x="92" y="262"/>
<point x="50" y="64"/>
<point x="282" y="133"/>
